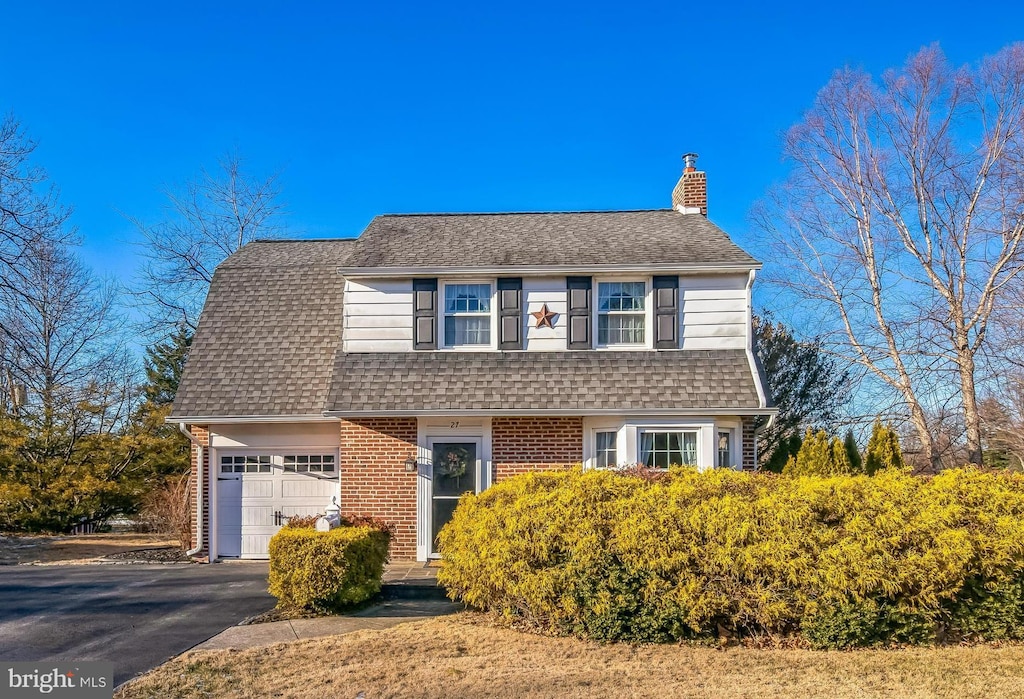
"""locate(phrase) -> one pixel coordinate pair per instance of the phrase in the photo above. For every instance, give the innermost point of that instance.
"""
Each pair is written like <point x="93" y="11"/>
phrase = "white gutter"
<point x="199" y="489"/>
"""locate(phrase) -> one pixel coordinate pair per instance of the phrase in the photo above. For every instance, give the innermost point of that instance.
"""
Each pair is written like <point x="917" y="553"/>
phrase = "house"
<point x="437" y="354"/>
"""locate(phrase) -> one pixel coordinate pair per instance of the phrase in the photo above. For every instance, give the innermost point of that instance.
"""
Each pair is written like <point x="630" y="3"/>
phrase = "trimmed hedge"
<point x="327" y="571"/>
<point x="841" y="562"/>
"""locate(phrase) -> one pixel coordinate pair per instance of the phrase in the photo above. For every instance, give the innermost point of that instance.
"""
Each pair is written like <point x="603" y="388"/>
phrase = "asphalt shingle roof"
<point x="269" y="339"/>
<point x="582" y="380"/>
<point x="663" y="237"/>
<point x="268" y="333"/>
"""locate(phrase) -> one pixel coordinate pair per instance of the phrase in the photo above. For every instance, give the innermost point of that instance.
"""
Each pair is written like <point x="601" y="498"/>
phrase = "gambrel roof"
<point x="269" y="341"/>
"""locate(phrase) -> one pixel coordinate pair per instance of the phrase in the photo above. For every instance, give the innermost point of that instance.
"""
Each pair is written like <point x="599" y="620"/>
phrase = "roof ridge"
<point x="301" y="240"/>
<point x="524" y="213"/>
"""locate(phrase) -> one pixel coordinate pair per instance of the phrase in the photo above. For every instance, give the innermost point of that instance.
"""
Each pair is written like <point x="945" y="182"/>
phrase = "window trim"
<point x="443" y="315"/>
<point x="648" y="313"/>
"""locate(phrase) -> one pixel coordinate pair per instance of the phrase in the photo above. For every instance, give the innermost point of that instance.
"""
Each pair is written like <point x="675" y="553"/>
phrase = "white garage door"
<point x="257" y="493"/>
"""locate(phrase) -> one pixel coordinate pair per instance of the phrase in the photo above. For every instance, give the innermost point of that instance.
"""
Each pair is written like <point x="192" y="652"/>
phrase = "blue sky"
<point x="396" y="107"/>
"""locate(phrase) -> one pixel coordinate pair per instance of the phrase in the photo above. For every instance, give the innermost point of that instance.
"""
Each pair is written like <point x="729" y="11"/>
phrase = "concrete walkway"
<point x="410" y="592"/>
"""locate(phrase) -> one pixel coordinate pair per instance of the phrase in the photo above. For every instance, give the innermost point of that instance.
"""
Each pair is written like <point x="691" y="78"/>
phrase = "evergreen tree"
<point x="164" y="364"/>
<point x="852" y="453"/>
<point x="786" y="448"/>
<point x="819" y="455"/>
<point x="883" y="450"/>
<point x="807" y="386"/>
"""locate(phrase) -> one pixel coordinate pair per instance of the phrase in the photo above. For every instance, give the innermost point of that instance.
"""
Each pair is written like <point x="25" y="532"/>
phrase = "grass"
<point x="464" y="656"/>
<point x="16" y="548"/>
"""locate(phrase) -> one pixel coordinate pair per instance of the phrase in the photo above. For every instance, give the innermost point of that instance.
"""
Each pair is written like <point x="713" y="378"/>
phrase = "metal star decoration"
<point x="544" y="317"/>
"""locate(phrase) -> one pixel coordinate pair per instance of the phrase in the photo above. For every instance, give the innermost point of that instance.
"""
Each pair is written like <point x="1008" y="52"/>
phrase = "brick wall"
<point x="373" y="476"/>
<point x="521" y="444"/>
<point x="202" y="434"/>
<point x="749" y="442"/>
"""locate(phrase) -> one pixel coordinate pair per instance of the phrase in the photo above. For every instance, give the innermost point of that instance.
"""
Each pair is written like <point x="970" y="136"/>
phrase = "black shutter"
<point x="578" y="290"/>
<point x="510" y="313"/>
<point x="424" y="314"/>
<point x="666" y="312"/>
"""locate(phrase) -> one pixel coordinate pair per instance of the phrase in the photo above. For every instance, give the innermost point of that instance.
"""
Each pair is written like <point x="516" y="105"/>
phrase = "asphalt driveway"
<point x="136" y="616"/>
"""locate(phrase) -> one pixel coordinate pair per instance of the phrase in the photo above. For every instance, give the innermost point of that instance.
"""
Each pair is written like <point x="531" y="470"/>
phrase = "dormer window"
<point x="467" y="315"/>
<point x="621" y="313"/>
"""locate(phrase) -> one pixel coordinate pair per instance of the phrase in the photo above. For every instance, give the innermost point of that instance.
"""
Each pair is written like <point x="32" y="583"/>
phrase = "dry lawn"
<point x="74" y="548"/>
<point x="463" y="656"/>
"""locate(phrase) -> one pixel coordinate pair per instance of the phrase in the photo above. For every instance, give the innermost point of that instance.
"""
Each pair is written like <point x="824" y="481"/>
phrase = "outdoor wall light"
<point x="411" y="465"/>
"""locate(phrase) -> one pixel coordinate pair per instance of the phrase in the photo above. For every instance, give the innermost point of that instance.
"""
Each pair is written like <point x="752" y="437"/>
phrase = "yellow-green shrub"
<point x="325" y="571"/>
<point x="844" y="561"/>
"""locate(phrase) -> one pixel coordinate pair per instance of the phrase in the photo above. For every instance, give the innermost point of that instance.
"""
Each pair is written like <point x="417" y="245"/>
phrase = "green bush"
<point x="843" y="561"/>
<point x="326" y="571"/>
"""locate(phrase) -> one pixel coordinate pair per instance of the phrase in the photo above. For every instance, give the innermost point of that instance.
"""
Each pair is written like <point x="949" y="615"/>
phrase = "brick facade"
<point x="521" y="444"/>
<point x="373" y="476"/>
<point x="202" y="435"/>
<point x="749" y="444"/>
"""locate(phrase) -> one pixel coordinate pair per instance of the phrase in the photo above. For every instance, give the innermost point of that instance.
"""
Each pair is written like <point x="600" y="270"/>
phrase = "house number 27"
<point x="454" y="424"/>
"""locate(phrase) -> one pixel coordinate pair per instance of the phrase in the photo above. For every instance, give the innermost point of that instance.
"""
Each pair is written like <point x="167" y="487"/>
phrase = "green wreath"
<point x="455" y="462"/>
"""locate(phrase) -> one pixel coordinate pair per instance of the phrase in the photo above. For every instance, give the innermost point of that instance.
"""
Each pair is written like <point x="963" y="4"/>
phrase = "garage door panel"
<point x="257" y="488"/>
<point x="307" y="487"/>
<point x="257" y="516"/>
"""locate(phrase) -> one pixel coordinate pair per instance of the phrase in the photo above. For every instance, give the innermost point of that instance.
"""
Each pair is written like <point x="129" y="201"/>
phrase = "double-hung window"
<point x="664" y="448"/>
<point x="467" y="315"/>
<point x="605" y="455"/>
<point x="621" y="313"/>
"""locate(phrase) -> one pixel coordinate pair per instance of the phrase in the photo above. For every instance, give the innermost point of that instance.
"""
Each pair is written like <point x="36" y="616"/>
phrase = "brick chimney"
<point x="690" y="195"/>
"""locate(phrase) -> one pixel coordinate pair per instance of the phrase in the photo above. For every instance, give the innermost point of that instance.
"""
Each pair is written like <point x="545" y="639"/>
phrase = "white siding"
<point x="714" y="311"/>
<point x="272" y="435"/>
<point x="536" y="292"/>
<point x="378" y="315"/>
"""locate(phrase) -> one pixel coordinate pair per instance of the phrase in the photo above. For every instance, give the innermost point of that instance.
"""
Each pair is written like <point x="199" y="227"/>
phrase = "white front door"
<point x="257" y="493"/>
<point x="455" y="471"/>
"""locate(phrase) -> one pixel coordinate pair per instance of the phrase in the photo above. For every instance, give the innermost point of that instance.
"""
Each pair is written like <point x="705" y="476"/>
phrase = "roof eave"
<point x="227" y="419"/>
<point x="539" y="270"/>
<point x="520" y="412"/>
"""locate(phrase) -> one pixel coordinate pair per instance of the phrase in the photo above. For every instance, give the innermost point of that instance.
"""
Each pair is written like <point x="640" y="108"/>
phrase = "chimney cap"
<point x="690" y="161"/>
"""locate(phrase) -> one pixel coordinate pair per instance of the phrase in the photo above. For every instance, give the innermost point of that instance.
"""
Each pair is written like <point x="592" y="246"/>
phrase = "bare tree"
<point x="61" y="337"/>
<point x="29" y="207"/>
<point x="902" y="224"/>
<point x="211" y="217"/>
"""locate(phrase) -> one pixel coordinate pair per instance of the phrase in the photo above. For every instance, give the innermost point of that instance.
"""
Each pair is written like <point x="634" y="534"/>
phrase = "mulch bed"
<point x="166" y="554"/>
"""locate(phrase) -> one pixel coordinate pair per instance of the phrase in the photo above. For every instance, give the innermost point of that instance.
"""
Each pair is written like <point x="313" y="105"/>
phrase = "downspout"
<point x="761" y="397"/>
<point x="199" y="489"/>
